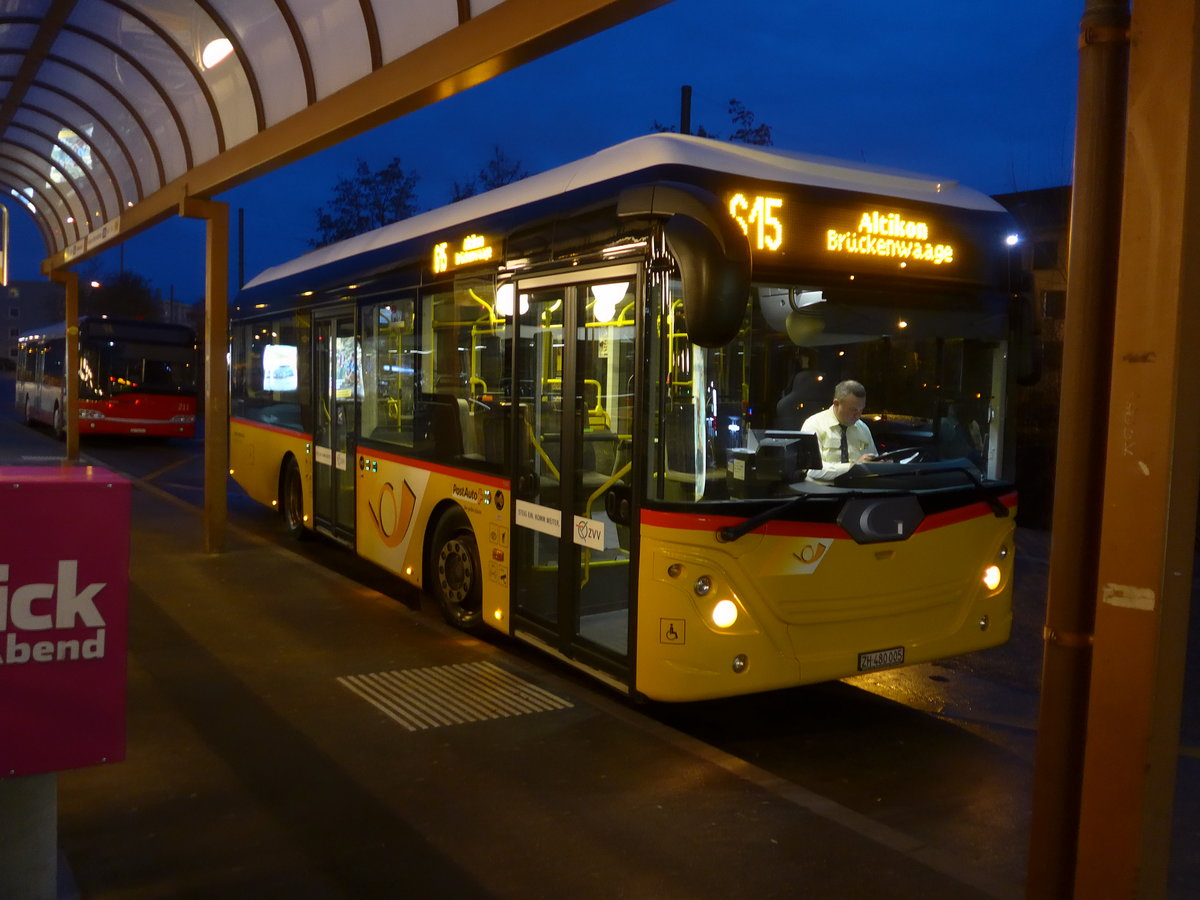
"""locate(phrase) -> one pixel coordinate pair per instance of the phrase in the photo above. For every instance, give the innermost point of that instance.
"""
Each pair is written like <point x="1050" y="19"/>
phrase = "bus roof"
<point x="126" y="329"/>
<point x="640" y="154"/>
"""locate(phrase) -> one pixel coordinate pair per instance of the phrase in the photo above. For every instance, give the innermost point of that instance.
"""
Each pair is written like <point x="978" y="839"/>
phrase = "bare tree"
<point x="498" y="170"/>
<point x="127" y="295"/>
<point x="365" y="201"/>
<point x="745" y="131"/>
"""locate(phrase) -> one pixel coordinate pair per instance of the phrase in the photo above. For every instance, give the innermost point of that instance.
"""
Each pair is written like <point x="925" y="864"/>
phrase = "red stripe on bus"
<point x="302" y="435"/>
<point x="693" y="522"/>
<point x="464" y="474"/>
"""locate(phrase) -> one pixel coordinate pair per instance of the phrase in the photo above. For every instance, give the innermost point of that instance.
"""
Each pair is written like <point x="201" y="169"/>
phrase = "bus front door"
<point x="336" y="404"/>
<point x="572" y="586"/>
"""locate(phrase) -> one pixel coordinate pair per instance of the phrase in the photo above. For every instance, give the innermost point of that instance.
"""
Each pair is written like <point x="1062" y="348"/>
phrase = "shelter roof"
<point x="112" y="112"/>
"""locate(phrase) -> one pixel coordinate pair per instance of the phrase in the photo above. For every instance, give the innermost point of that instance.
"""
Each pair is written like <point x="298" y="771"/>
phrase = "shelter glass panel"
<point x="273" y="54"/>
<point x="336" y="38"/>
<point x="101" y="98"/>
<point x="134" y="87"/>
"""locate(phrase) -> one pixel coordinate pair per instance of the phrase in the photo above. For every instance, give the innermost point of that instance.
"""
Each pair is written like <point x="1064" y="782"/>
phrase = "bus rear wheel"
<point x="292" y="505"/>
<point x="455" y="576"/>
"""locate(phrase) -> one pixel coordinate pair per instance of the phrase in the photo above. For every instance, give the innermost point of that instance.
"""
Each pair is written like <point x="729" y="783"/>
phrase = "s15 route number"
<point x="759" y="220"/>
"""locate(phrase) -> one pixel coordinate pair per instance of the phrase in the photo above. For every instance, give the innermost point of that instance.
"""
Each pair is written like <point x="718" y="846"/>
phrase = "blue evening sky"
<point x="980" y="91"/>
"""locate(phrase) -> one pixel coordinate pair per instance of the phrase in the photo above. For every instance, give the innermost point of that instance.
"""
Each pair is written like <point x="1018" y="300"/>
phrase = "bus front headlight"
<point x="991" y="577"/>
<point x="724" y="614"/>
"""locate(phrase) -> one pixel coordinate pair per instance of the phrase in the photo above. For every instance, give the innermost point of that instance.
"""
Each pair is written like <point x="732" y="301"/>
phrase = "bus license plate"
<point x="877" y="659"/>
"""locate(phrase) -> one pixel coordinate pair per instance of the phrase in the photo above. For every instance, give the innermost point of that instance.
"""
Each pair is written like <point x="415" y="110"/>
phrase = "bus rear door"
<point x="575" y="388"/>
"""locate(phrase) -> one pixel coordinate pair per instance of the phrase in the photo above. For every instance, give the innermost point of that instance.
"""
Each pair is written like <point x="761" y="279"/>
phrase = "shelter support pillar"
<point x="1151" y="475"/>
<point x="216" y="375"/>
<point x="70" y="282"/>
<point x="1083" y="410"/>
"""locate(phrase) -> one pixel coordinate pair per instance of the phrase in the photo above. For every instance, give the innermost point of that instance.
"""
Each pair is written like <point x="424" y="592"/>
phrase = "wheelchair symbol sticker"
<point x="671" y="631"/>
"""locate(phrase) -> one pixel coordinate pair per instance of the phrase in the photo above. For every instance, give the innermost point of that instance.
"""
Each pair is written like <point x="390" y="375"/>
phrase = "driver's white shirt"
<point x="829" y="437"/>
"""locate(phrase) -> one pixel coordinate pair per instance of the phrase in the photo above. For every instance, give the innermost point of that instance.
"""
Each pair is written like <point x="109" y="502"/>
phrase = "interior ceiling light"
<point x="607" y="297"/>
<point x="215" y="51"/>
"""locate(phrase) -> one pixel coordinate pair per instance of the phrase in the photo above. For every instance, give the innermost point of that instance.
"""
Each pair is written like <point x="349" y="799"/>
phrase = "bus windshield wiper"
<point x="729" y="533"/>
<point x="998" y="508"/>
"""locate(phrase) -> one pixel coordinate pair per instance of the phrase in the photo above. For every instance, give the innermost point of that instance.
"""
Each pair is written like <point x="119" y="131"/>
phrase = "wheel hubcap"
<point x="455" y="572"/>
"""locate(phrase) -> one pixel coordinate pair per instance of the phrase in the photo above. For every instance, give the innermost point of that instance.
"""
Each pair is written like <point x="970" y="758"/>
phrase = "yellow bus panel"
<point x="811" y="604"/>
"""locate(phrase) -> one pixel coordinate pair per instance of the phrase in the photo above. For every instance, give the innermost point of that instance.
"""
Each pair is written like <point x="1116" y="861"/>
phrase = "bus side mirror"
<point x="716" y="287"/>
<point x="712" y="251"/>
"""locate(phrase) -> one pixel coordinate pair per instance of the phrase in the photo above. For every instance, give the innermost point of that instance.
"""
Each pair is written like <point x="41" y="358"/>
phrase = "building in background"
<point x="26" y="306"/>
<point x="1044" y="219"/>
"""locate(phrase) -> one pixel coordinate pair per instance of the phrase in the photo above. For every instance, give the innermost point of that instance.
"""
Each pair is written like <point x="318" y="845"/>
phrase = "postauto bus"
<point x="571" y="408"/>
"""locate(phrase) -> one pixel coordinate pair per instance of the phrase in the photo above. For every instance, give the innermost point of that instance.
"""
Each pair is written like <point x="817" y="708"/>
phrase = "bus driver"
<point x="842" y="435"/>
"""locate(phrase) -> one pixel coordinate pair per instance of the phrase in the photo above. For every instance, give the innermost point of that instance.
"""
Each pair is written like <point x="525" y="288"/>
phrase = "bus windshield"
<point x="109" y="368"/>
<point x="932" y="367"/>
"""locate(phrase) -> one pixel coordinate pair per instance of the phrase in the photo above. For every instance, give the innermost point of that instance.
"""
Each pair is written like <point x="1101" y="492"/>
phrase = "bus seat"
<point x="440" y="430"/>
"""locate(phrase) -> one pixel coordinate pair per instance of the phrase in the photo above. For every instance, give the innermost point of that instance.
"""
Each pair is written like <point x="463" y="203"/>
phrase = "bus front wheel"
<point x="293" y="501"/>
<point x="455" y="576"/>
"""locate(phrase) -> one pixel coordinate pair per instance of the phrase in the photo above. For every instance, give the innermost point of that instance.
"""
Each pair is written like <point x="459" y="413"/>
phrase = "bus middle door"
<point x="575" y="387"/>
<point x="336" y="403"/>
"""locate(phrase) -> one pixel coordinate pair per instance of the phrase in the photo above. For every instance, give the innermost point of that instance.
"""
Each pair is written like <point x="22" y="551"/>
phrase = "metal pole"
<point x="241" y="247"/>
<point x="29" y="837"/>
<point x="70" y="282"/>
<point x="1083" y="412"/>
<point x="685" y="109"/>
<point x="216" y="379"/>
<point x="1151" y="475"/>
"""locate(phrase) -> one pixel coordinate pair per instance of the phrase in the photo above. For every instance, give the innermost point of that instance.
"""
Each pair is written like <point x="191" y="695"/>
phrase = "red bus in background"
<point x="135" y="378"/>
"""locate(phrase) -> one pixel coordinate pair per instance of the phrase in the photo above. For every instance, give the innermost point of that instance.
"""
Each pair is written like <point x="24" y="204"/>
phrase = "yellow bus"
<point x="572" y="409"/>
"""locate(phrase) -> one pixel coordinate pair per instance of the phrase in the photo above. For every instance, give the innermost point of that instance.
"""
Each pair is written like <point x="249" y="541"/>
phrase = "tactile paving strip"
<point x="451" y="695"/>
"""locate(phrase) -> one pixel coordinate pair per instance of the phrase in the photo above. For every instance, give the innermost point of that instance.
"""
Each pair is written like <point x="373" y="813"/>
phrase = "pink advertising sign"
<point x="64" y="585"/>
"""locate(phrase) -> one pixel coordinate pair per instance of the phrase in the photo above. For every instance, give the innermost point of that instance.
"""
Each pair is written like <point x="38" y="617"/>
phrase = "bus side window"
<point x="238" y="369"/>
<point x="390" y="355"/>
